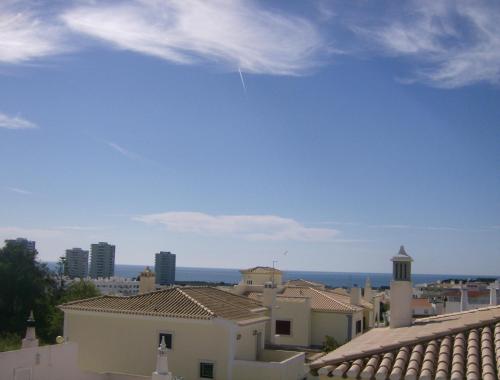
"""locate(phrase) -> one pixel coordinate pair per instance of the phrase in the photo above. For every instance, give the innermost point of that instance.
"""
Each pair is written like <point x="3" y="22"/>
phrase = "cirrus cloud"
<point x="25" y="35"/>
<point x="15" y="122"/>
<point x="451" y="43"/>
<point x="238" y="34"/>
<point x="250" y="227"/>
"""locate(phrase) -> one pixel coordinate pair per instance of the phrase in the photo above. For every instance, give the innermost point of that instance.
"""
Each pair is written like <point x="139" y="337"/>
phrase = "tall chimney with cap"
<point x="401" y="290"/>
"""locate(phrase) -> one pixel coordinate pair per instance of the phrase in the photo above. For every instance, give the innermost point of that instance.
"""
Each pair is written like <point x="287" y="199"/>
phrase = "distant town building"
<point x="165" y="268"/>
<point x="102" y="260"/>
<point x="118" y="286"/>
<point x="77" y="263"/>
<point x="29" y="245"/>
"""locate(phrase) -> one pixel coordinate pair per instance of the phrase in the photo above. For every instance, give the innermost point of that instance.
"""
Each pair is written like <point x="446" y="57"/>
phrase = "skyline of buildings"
<point x="102" y="260"/>
<point x="77" y="263"/>
<point x="165" y="268"/>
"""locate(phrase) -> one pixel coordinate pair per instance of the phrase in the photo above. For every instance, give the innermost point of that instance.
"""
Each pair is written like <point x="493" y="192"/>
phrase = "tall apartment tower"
<point x="401" y="290"/>
<point x="29" y="245"/>
<point x="165" y="268"/>
<point x="102" y="260"/>
<point x="77" y="263"/>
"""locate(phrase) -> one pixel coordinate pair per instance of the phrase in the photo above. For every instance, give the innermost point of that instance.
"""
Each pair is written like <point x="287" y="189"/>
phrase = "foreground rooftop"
<point x="453" y="346"/>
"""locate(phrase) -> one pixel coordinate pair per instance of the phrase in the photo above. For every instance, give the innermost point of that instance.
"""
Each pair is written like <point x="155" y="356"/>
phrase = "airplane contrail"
<point x="242" y="80"/>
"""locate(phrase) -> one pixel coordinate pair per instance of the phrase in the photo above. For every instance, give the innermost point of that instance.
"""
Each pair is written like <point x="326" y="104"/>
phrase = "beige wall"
<point x="261" y="278"/>
<point x="246" y="343"/>
<point x="298" y="311"/>
<point x="53" y="362"/>
<point x="128" y="344"/>
<point x="278" y="365"/>
<point x="332" y="324"/>
<point x="358" y="316"/>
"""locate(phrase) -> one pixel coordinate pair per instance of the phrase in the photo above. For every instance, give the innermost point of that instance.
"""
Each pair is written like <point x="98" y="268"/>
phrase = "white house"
<point x="209" y="334"/>
<point x="304" y="313"/>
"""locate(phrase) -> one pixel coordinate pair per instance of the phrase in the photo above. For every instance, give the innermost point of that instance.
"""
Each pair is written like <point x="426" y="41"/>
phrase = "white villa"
<point x="209" y="334"/>
<point x="303" y="313"/>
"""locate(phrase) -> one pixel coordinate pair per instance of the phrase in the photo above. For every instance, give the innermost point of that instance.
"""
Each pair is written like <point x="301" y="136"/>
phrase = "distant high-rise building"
<point x="165" y="268"/>
<point x="77" y="263"/>
<point x="29" y="245"/>
<point x="102" y="260"/>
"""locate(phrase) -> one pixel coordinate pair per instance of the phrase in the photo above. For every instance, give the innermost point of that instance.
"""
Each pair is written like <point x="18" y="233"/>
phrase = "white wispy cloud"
<point x="122" y="150"/>
<point x="25" y="35"/>
<point x="428" y="228"/>
<point x="17" y="190"/>
<point x="236" y="33"/>
<point x="82" y="228"/>
<point x="250" y="227"/>
<point x="452" y="43"/>
<point x="15" y="122"/>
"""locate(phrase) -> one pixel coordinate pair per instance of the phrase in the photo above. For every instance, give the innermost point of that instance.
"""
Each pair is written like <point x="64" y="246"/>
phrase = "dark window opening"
<point x="207" y="370"/>
<point x="168" y="340"/>
<point x="283" y="327"/>
<point x="358" y="327"/>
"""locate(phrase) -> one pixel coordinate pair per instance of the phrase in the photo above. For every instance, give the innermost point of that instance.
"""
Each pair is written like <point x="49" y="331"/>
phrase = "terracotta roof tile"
<point x="188" y="302"/>
<point x="304" y="283"/>
<point x="457" y="346"/>
<point x="322" y="300"/>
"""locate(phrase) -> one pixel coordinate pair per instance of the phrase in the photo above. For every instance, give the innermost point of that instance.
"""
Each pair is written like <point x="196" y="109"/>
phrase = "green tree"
<point x="25" y="284"/>
<point x="79" y="290"/>
<point x="76" y="291"/>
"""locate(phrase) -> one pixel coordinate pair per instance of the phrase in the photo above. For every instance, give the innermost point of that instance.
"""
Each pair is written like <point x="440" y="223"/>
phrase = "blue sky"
<point x="230" y="132"/>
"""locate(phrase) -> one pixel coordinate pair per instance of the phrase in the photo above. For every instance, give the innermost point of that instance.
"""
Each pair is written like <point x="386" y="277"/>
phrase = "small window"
<point x="249" y="282"/>
<point x="358" y="327"/>
<point x="207" y="370"/>
<point x="168" y="340"/>
<point x="283" y="327"/>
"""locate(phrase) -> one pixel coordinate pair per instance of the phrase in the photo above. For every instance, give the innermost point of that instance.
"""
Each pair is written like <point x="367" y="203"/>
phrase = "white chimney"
<point x="162" y="372"/>
<point x="269" y="300"/>
<point x="493" y="293"/>
<point x="368" y="290"/>
<point x="30" y="339"/>
<point x="401" y="290"/>
<point x="355" y="295"/>
<point x="464" y="297"/>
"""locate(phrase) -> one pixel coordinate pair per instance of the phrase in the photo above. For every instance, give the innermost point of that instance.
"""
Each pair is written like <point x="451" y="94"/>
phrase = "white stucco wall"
<point x="332" y="324"/>
<point x="54" y="362"/>
<point x="298" y="311"/>
<point x="260" y="278"/>
<point x="246" y="343"/>
<point x="127" y="344"/>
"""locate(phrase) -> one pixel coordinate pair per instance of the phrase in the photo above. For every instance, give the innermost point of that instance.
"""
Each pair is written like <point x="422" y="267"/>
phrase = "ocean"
<point x="333" y="279"/>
